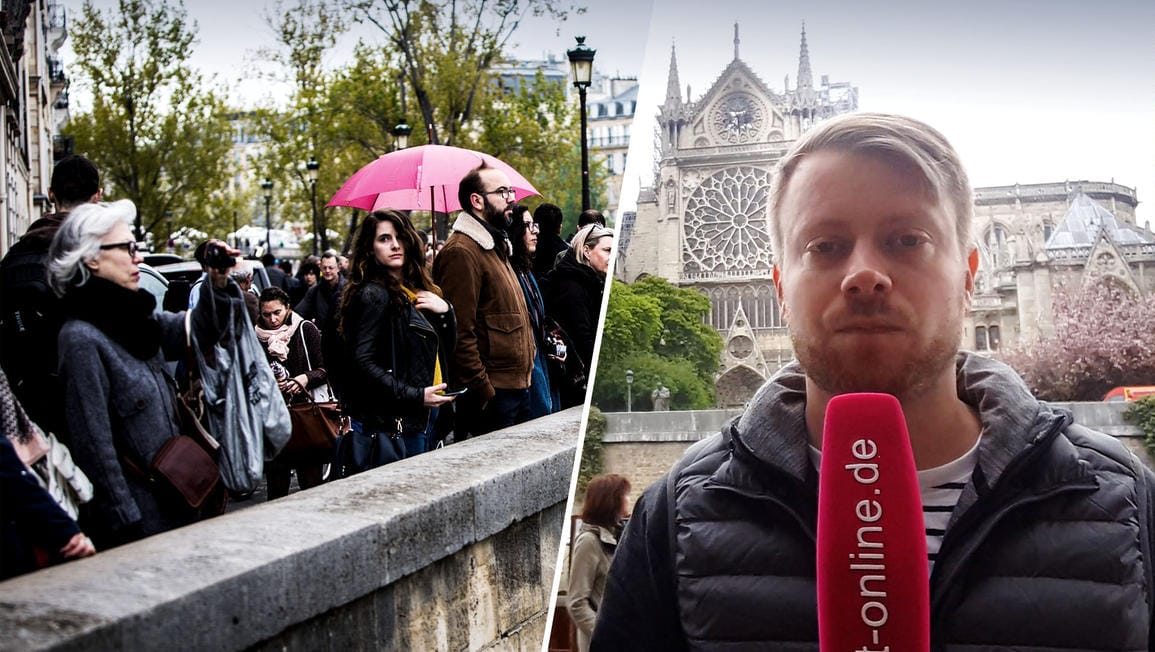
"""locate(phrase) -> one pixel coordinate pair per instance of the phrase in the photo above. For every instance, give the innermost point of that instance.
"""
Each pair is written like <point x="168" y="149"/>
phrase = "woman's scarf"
<point x="276" y="340"/>
<point x="124" y="315"/>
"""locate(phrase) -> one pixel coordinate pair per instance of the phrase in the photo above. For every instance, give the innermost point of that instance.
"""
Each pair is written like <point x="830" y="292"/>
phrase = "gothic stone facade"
<point x="704" y="224"/>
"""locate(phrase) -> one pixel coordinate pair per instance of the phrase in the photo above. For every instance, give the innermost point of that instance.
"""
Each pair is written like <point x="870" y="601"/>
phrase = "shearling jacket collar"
<point x="471" y="226"/>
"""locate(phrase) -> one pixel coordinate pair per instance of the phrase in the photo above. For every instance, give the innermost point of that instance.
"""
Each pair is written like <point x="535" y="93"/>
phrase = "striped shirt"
<point x="940" y="488"/>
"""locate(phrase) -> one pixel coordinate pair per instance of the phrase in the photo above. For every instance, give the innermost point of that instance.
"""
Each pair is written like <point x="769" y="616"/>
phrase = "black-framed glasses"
<point x="130" y="246"/>
<point x="508" y="194"/>
<point x="532" y="227"/>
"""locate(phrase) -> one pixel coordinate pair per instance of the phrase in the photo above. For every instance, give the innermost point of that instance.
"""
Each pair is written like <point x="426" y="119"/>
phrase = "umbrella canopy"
<point x="420" y="178"/>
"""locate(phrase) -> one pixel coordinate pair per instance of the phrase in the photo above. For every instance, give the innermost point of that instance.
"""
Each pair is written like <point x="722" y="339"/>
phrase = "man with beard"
<point x="1037" y="529"/>
<point x="494" y="355"/>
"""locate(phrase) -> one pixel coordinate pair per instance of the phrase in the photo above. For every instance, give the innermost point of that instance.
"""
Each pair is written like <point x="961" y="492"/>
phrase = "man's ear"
<point x="972" y="269"/>
<point x="778" y="290"/>
<point x="477" y="202"/>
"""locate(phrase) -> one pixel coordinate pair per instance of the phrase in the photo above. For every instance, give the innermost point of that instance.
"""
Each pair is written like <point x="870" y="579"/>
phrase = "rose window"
<point x="725" y="226"/>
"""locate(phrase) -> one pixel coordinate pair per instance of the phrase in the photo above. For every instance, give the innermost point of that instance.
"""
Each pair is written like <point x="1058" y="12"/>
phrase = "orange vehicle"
<point x="1120" y="394"/>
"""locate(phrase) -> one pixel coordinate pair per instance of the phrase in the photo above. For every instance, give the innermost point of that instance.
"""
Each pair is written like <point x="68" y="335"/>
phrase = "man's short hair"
<point x="74" y="181"/>
<point x="591" y="216"/>
<point x="892" y="138"/>
<point x="331" y="253"/>
<point x="470" y="184"/>
<point x="268" y="260"/>
<point x="548" y="218"/>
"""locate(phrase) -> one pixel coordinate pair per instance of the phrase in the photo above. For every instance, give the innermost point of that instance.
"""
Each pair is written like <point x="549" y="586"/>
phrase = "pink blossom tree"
<point x="1104" y="337"/>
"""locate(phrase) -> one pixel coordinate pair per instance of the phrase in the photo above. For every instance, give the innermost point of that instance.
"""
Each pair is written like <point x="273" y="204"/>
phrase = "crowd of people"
<point x="417" y="346"/>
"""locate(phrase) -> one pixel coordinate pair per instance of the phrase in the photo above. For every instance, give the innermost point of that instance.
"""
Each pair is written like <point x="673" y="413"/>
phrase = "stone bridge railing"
<point x="451" y="550"/>
<point x="644" y="445"/>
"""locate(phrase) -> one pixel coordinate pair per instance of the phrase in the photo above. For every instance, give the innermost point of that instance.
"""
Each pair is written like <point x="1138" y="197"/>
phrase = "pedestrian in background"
<point x="605" y="507"/>
<point x="523" y="236"/>
<point x="400" y="335"/>
<point x="293" y="346"/>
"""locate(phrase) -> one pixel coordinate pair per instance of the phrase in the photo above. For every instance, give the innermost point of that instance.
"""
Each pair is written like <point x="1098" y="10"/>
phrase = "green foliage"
<point x="656" y="330"/>
<point x="1142" y="414"/>
<point x="159" y="136"/>
<point x="593" y="462"/>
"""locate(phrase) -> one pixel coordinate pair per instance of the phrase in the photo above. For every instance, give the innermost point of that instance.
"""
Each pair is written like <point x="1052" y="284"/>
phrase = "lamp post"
<point x="401" y="133"/>
<point x="314" y="170"/>
<point x="267" y="191"/>
<point x="629" y="390"/>
<point x="581" y="61"/>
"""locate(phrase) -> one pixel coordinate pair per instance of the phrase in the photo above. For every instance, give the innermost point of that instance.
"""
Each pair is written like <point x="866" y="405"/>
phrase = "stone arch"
<point x="737" y="386"/>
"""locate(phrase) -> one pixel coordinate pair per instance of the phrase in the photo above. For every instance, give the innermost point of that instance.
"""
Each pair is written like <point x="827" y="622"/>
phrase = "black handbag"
<point x="360" y="449"/>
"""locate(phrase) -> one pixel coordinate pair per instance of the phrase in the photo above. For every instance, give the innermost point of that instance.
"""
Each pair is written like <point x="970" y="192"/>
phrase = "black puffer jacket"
<point x="1049" y="547"/>
<point x="391" y="349"/>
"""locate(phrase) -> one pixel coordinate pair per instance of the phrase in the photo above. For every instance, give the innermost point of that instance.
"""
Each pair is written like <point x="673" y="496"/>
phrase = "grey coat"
<point x="117" y="405"/>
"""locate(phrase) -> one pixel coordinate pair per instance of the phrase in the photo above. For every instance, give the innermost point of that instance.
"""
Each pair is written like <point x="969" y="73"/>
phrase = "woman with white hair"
<point x="120" y="402"/>
<point x="573" y="295"/>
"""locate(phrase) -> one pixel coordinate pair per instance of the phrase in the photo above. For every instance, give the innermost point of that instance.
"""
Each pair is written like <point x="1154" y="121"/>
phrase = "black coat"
<point x="1049" y="547"/>
<point x="29" y="517"/>
<point x="391" y="348"/>
<point x="573" y="298"/>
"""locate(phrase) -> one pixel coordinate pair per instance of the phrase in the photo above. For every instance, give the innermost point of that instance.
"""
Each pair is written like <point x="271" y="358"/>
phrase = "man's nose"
<point x="866" y="272"/>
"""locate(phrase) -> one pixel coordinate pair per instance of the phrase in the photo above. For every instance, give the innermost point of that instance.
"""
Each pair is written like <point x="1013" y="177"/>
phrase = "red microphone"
<point x="873" y="590"/>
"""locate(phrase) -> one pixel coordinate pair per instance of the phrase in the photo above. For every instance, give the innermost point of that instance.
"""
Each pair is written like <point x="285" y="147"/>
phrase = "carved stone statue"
<point x="661" y="398"/>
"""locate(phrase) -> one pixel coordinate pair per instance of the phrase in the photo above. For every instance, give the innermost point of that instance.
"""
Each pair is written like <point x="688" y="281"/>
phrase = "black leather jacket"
<point x="390" y="351"/>
<point x="1049" y="547"/>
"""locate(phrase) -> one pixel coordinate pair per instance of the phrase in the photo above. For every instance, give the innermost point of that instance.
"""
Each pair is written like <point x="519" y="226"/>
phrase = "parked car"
<point x="161" y="259"/>
<point x="154" y="283"/>
<point x="183" y="275"/>
<point x="1120" y="394"/>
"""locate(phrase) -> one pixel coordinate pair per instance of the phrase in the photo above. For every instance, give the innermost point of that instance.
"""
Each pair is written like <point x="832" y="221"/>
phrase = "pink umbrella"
<point x="420" y="178"/>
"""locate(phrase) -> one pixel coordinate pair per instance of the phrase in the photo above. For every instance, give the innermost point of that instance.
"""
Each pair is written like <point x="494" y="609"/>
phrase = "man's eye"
<point x="908" y="240"/>
<point x="823" y="247"/>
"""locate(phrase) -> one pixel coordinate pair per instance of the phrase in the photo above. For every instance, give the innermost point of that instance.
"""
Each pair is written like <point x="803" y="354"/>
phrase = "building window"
<point x="1048" y="229"/>
<point x="995" y="240"/>
<point x="987" y="338"/>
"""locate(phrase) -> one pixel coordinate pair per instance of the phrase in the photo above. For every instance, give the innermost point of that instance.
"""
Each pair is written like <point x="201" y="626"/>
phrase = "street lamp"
<point x="267" y="191"/>
<point x="629" y="390"/>
<point x="581" y="61"/>
<point x="401" y="133"/>
<point x="314" y="170"/>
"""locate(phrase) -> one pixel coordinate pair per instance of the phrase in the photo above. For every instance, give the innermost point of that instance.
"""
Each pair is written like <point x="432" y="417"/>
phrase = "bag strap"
<point x="308" y="362"/>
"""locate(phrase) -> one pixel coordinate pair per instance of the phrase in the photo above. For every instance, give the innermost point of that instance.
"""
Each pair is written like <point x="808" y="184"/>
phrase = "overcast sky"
<point x="1028" y="91"/>
<point x="231" y="32"/>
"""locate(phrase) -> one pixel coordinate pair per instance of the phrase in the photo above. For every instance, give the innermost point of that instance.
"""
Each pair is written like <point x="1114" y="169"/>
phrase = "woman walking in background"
<point x="573" y="296"/>
<point x="398" y="334"/>
<point x="293" y="347"/>
<point x="605" y="506"/>
<point x="523" y="232"/>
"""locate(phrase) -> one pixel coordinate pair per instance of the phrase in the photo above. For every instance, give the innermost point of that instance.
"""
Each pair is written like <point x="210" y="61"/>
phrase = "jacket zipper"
<point x="941" y="582"/>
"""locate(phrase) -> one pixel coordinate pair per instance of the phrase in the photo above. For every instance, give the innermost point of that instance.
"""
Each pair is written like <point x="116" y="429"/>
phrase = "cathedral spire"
<point x="673" y="86"/>
<point x="805" y="78"/>
<point x="735" y="41"/>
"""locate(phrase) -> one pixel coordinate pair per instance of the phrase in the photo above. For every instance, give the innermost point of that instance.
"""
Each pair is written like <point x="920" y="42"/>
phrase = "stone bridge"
<point x="643" y="445"/>
<point x="451" y="550"/>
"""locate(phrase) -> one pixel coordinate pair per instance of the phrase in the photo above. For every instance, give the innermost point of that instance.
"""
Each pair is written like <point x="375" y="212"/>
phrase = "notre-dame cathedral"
<point x="703" y="224"/>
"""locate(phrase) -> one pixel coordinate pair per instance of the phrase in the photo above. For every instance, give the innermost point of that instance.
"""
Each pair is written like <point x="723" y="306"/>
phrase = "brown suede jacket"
<point x="495" y="346"/>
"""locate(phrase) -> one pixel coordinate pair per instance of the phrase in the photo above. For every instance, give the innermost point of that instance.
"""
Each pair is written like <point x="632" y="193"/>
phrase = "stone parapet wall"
<point x="644" y="445"/>
<point x="454" y="549"/>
